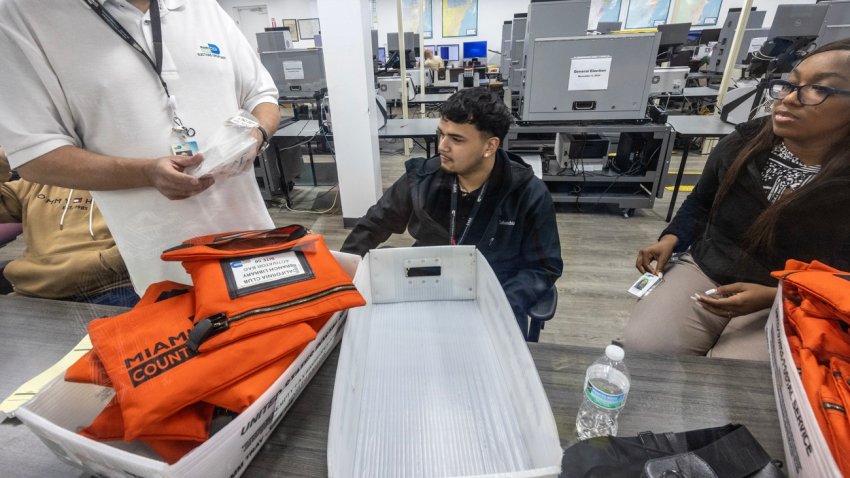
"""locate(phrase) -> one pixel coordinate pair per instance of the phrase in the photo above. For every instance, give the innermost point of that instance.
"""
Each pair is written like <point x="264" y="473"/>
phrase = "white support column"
<point x="347" y="48"/>
<point x="420" y="29"/>
<point x="402" y="49"/>
<point x="734" y="48"/>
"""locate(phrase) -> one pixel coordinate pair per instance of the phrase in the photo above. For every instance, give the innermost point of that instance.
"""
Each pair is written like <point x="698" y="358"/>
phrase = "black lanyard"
<point x="471" y="217"/>
<point x="155" y="62"/>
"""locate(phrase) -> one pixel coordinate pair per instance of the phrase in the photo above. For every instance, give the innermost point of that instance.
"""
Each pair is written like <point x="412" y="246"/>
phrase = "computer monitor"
<point x="474" y="49"/>
<point x="410" y="40"/>
<point x="608" y="27"/>
<point x="394" y="59"/>
<point x="449" y="52"/>
<point x="693" y="38"/>
<point x="709" y="35"/>
<point x="382" y="55"/>
<point x="682" y="58"/>
<point x="796" y="21"/>
<point x="674" y="34"/>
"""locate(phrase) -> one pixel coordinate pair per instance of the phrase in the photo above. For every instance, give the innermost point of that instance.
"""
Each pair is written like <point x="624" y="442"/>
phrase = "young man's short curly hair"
<point x="479" y="107"/>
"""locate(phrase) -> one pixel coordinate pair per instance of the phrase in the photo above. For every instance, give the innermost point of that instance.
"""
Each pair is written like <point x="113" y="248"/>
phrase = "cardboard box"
<point x="806" y="451"/>
<point x="63" y="407"/>
<point x="434" y="377"/>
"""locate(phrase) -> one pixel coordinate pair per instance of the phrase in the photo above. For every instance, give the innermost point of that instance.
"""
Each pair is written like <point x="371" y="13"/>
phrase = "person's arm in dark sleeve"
<point x="389" y="216"/>
<point x="540" y="257"/>
<point x="692" y="217"/>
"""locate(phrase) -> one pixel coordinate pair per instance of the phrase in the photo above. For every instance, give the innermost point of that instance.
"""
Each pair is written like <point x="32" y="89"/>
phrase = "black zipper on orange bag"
<point x="218" y="323"/>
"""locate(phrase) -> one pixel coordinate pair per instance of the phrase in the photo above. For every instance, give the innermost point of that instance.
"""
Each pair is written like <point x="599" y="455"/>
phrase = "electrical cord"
<point x="304" y="126"/>
<point x="283" y="185"/>
<point x="324" y="133"/>
<point x="599" y="199"/>
<point x="325" y="211"/>
<point x="302" y="143"/>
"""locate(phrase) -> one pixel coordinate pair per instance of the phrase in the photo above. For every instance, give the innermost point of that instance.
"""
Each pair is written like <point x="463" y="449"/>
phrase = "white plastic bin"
<point x="62" y="407"/>
<point x="806" y="451"/>
<point x="434" y="377"/>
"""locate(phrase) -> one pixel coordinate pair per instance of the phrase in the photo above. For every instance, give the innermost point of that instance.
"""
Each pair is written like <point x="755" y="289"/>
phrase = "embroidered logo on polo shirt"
<point x="211" y="50"/>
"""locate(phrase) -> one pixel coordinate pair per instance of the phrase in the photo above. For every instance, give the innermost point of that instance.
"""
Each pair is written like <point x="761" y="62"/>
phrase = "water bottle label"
<point x="603" y="399"/>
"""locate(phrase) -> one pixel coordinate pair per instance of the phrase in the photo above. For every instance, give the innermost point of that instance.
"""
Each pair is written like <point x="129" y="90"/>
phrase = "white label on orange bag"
<point x="283" y="267"/>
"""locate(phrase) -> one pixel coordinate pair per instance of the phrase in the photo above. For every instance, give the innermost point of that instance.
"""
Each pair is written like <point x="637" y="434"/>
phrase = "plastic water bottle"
<point x="606" y="386"/>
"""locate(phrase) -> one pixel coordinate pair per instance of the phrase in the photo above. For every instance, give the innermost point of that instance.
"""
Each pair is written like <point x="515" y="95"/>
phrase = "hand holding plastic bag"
<point x="232" y="148"/>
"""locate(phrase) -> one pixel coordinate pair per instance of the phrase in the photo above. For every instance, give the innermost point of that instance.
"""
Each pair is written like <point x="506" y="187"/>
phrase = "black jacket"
<point x="820" y="229"/>
<point x="520" y="239"/>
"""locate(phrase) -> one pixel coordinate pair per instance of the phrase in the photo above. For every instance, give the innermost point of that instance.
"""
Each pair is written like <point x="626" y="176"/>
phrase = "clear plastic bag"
<point x="232" y="148"/>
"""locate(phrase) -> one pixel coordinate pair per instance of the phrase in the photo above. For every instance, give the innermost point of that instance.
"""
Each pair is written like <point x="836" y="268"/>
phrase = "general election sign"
<point x="589" y="73"/>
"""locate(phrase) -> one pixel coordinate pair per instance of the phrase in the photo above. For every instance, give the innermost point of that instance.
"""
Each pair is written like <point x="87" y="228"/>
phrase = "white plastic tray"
<point x="806" y="451"/>
<point x="58" y="411"/>
<point x="434" y="377"/>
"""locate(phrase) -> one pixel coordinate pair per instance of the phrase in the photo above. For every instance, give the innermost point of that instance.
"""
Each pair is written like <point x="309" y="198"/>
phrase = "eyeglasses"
<point x="807" y="95"/>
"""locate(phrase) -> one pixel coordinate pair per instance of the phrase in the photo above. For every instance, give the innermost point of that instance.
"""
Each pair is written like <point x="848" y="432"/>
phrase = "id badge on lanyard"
<point x="453" y="214"/>
<point x="156" y="63"/>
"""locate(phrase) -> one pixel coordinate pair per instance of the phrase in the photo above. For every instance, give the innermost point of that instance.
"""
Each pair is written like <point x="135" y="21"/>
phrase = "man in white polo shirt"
<point x="95" y="95"/>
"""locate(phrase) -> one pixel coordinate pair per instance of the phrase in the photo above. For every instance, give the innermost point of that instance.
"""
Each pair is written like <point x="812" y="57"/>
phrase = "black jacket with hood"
<point x="517" y="231"/>
<point x="819" y="228"/>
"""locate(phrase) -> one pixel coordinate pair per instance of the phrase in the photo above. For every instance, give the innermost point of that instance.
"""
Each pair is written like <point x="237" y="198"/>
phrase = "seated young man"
<point x="70" y="254"/>
<point x="474" y="193"/>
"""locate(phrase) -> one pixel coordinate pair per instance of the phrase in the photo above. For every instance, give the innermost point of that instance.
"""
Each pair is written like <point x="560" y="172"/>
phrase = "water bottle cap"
<point x="615" y="353"/>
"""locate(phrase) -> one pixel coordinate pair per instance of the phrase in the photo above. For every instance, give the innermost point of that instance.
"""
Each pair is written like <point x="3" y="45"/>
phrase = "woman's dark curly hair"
<point x="479" y="107"/>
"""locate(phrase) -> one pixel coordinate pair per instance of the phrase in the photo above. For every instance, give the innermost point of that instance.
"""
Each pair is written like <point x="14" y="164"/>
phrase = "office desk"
<point x="430" y="99"/>
<point x="36" y="334"/>
<point x="299" y="129"/>
<point x="700" y="92"/>
<point x="706" y="126"/>
<point x="694" y="92"/>
<point x="424" y="128"/>
<point x="668" y="393"/>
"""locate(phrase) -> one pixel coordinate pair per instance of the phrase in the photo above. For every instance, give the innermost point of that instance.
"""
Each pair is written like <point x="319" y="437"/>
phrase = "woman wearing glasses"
<point x="777" y="188"/>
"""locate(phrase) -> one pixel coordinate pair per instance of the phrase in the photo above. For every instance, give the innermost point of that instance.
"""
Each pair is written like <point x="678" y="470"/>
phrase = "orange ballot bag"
<point x="258" y="299"/>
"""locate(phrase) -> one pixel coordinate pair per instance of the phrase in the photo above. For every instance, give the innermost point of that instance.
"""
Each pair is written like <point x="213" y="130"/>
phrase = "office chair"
<point x="9" y="231"/>
<point x="542" y="311"/>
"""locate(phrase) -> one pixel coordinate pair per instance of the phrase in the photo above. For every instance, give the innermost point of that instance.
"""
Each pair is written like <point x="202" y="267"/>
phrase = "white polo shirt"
<point x="69" y="79"/>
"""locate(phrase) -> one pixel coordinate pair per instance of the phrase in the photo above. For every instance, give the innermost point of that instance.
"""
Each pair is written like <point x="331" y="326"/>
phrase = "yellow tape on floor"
<point x="682" y="189"/>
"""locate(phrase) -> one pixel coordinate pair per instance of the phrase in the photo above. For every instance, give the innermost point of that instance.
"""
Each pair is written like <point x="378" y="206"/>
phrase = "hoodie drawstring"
<point x="65" y="211"/>
<point x="91" y="215"/>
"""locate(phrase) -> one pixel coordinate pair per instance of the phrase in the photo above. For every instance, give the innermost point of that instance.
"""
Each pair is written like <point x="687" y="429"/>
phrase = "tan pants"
<point x="669" y="321"/>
